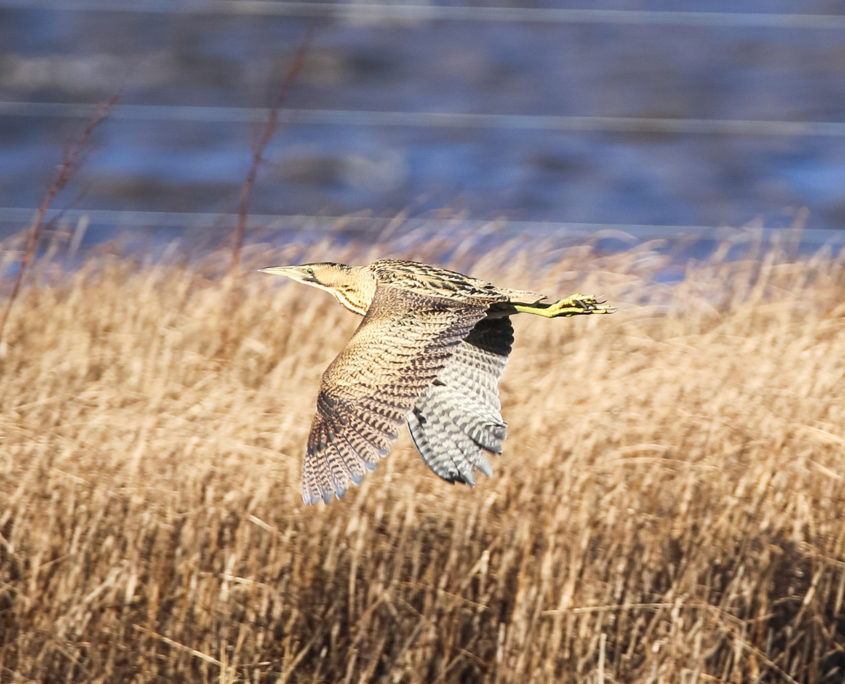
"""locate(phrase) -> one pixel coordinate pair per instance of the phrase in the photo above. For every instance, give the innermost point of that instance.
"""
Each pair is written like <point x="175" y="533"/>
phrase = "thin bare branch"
<point x="270" y="128"/>
<point x="73" y="156"/>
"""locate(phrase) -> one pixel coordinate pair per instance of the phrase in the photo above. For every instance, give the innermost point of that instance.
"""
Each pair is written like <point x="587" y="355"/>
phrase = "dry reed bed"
<point x="668" y="507"/>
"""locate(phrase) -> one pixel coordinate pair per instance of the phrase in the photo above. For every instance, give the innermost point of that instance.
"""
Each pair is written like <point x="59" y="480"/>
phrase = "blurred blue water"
<point x="162" y="163"/>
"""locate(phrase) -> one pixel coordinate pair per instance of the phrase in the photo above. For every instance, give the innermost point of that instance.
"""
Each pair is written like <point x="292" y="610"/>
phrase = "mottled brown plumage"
<point x="429" y="352"/>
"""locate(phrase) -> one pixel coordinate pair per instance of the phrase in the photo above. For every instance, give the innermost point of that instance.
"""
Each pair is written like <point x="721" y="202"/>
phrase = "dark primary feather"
<point x="403" y="343"/>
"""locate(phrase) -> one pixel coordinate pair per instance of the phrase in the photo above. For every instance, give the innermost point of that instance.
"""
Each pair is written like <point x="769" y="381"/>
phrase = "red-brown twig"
<point x="73" y="155"/>
<point x="261" y="144"/>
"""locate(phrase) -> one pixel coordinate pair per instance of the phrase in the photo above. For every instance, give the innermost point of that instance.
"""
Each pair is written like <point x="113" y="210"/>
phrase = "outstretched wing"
<point x="402" y="344"/>
<point x="458" y="416"/>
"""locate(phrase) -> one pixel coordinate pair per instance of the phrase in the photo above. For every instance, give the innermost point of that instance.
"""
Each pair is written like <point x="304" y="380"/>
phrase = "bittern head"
<point x="324" y="275"/>
<point x="344" y="282"/>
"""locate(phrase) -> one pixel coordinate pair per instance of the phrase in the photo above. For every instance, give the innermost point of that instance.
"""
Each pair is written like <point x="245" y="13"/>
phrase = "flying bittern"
<point x="429" y="352"/>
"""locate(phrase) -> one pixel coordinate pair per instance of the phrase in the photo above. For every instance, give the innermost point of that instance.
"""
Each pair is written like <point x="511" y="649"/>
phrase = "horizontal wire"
<point x="127" y="218"/>
<point x="355" y="11"/>
<point x="343" y="117"/>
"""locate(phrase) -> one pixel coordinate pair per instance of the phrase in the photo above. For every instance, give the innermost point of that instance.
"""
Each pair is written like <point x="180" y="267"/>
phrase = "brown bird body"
<point x="429" y="353"/>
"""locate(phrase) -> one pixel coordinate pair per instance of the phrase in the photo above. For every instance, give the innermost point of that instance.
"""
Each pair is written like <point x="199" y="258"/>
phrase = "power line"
<point x="373" y="11"/>
<point x="134" y="219"/>
<point x="345" y="117"/>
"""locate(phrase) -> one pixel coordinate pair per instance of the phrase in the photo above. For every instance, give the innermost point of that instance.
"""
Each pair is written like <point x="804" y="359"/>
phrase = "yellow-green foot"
<point x="574" y="305"/>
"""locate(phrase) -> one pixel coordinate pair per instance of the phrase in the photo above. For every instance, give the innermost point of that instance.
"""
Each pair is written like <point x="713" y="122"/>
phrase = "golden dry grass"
<point x="669" y="507"/>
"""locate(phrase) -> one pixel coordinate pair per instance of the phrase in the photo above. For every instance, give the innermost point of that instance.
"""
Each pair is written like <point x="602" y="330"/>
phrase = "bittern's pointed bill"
<point x="429" y="352"/>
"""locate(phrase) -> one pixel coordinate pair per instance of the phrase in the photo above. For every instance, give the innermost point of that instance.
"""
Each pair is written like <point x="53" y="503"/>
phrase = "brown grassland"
<point x="669" y="506"/>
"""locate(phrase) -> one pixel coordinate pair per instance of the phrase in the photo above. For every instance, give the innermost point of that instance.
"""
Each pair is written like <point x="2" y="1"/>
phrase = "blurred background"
<point x="626" y="121"/>
<point x="669" y="504"/>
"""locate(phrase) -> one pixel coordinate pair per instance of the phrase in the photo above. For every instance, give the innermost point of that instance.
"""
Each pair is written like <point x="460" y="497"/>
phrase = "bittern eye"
<point x="309" y="271"/>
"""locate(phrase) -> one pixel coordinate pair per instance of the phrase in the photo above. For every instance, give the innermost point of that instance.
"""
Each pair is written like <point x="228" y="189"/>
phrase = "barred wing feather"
<point x="401" y="346"/>
<point x="458" y="419"/>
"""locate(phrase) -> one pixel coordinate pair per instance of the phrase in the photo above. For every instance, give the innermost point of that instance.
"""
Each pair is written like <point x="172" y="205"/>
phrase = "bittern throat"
<point x="429" y="352"/>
